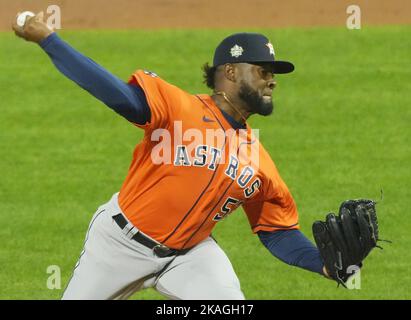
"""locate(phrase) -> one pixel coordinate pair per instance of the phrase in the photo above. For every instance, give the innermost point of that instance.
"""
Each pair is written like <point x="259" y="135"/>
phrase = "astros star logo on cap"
<point x="236" y="51"/>
<point x="270" y="46"/>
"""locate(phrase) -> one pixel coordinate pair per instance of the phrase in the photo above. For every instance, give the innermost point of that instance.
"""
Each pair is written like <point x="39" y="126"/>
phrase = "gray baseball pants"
<point x="113" y="266"/>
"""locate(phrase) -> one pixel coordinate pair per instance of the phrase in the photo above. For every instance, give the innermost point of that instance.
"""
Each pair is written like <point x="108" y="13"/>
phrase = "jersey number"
<point x="229" y="205"/>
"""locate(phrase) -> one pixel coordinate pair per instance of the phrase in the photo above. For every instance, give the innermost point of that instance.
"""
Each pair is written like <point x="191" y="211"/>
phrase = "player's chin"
<point x="266" y="106"/>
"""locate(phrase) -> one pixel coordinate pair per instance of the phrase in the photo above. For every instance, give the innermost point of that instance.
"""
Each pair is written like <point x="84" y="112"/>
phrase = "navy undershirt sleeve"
<point x="126" y="99"/>
<point x="292" y="247"/>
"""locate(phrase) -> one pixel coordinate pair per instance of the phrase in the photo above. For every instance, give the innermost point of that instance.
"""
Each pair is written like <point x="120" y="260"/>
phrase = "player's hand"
<point x="35" y="29"/>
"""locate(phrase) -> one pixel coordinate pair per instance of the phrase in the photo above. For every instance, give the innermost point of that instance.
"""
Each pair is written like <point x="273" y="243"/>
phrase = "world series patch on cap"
<point x="249" y="48"/>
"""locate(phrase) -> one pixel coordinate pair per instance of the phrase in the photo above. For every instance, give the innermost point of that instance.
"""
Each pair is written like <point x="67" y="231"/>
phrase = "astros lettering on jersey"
<point x="190" y="193"/>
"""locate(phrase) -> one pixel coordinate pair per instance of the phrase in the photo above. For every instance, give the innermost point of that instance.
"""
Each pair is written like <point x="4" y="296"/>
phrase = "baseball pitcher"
<point x="199" y="160"/>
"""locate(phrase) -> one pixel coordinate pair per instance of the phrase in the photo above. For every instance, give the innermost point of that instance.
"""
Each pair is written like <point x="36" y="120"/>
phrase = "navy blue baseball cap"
<point x="249" y="48"/>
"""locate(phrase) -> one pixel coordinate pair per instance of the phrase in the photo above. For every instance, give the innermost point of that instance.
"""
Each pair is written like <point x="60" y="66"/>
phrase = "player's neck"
<point x="222" y="100"/>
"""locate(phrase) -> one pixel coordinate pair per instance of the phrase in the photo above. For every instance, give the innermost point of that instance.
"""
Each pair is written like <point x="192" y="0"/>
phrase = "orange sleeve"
<point x="162" y="98"/>
<point x="274" y="208"/>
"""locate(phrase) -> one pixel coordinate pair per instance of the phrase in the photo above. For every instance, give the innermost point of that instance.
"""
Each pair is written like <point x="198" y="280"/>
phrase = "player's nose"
<point x="271" y="84"/>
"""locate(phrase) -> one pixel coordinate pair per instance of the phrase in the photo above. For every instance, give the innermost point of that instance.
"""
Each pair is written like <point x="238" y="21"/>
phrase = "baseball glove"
<point x="344" y="241"/>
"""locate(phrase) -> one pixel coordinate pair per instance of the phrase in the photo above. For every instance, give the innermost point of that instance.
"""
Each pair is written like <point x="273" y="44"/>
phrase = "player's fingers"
<point x="29" y="20"/>
<point x="39" y="16"/>
<point x="17" y="29"/>
<point x="32" y="20"/>
<point x="36" y="18"/>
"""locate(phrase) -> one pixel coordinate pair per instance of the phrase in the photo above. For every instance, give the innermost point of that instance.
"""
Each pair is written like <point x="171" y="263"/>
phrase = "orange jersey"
<point x="183" y="180"/>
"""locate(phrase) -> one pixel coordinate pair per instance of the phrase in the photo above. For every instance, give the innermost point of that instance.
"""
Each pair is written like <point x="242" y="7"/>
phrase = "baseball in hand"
<point x="21" y="18"/>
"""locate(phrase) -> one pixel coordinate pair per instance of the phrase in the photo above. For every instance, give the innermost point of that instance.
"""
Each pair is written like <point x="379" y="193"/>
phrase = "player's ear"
<point x="230" y="72"/>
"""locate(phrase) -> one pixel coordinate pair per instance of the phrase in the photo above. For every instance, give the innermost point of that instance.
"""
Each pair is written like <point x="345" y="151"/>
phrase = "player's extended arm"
<point x="292" y="247"/>
<point x="127" y="100"/>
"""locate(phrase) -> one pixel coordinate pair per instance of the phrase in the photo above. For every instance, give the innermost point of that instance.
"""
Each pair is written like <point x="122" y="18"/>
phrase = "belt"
<point x="159" y="249"/>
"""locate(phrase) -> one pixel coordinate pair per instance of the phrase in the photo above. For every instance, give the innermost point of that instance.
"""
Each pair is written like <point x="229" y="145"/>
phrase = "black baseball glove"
<point x="345" y="240"/>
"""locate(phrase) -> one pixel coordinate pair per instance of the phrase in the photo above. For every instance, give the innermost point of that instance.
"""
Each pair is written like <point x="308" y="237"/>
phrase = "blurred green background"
<point x="339" y="130"/>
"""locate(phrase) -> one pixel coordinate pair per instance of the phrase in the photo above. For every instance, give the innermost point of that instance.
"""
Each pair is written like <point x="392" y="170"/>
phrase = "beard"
<point x="255" y="102"/>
